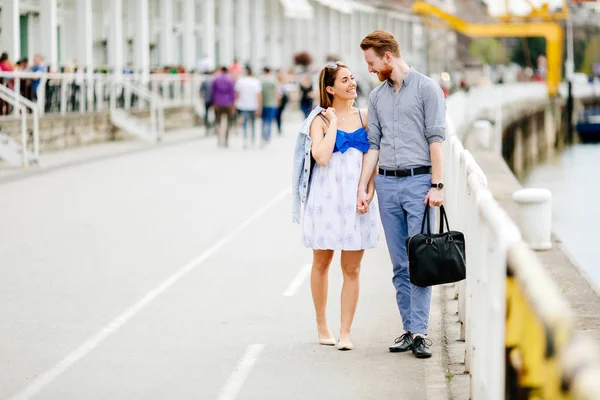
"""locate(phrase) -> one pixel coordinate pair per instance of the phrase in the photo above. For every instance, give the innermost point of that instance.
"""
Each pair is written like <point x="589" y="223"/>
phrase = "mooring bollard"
<point x="484" y="134"/>
<point x="535" y="217"/>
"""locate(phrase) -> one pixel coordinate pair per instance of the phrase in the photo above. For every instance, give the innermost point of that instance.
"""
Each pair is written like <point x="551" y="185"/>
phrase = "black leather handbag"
<point x="435" y="259"/>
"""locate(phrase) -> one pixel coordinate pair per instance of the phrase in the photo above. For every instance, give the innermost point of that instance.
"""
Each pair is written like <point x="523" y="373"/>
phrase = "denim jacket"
<point x="302" y="166"/>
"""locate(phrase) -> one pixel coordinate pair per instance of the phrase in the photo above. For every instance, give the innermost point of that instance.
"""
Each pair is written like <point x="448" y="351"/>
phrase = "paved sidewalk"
<point x="175" y="272"/>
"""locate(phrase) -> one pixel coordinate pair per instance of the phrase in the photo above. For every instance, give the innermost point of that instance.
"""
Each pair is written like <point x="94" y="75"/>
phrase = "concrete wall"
<point x="533" y="131"/>
<point x="59" y="132"/>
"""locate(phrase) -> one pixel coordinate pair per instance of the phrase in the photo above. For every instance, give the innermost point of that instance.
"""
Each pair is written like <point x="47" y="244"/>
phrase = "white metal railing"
<point x="81" y="92"/>
<point x="491" y="236"/>
<point x="127" y="95"/>
<point x="488" y="233"/>
<point x="21" y="105"/>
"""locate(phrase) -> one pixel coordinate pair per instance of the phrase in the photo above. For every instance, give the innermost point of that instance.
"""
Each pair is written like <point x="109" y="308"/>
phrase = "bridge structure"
<point x="95" y="236"/>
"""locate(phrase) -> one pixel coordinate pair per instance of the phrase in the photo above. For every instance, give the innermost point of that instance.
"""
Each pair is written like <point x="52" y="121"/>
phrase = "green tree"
<point x="486" y="50"/>
<point x="528" y="50"/>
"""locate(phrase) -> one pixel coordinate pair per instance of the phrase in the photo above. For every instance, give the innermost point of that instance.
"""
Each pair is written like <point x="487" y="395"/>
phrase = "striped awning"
<point x="299" y="9"/>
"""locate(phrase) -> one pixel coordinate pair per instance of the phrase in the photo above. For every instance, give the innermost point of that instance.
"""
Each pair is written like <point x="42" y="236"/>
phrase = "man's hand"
<point x="362" y="201"/>
<point x="434" y="198"/>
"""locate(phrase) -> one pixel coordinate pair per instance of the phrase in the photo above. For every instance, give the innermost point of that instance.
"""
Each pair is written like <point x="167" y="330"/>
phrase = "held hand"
<point x="362" y="201"/>
<point x="434" y="198"/>
<point x="330" y="115"/>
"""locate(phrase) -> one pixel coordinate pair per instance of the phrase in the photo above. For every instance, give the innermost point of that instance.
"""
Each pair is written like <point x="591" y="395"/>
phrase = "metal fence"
<point x="80" y="93"/>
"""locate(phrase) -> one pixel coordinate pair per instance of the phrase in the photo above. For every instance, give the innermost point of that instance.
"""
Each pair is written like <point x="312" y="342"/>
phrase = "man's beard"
<point x="385" y="74"/>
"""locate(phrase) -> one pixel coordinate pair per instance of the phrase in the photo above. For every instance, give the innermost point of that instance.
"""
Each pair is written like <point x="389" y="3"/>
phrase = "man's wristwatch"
<point x="437" y="185"/>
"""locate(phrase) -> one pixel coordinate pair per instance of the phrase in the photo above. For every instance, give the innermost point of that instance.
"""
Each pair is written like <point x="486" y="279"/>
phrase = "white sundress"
<point x="331" y="221"/>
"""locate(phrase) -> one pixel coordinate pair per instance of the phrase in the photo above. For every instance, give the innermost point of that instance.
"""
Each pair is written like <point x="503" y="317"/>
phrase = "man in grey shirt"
<point x="406" y="130"/>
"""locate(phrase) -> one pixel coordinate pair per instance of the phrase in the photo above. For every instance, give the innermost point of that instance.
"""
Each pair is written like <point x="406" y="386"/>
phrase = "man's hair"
<point x="381" y="42"/>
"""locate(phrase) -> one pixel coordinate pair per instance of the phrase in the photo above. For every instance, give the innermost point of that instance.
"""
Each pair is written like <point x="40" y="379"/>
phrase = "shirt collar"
<point x="407" y="78"/>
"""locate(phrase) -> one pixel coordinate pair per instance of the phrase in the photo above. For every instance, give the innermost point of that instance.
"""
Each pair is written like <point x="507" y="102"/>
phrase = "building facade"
<point x="144" y="34"/>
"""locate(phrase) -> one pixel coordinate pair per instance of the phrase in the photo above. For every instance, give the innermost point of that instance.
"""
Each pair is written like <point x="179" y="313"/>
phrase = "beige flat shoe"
<point x="327" y="341"/>
<point x="344" y="346"/>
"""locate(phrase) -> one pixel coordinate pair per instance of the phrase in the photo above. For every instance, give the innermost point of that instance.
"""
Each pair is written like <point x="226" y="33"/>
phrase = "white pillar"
<point x="48" y="33"/>
<point x="11" y="35"/>
<point x="189" y="37"/>
<point x="85" y="40"/>
<point x="166" y="33"/>
<point x="225" y="32"/>
<point x="535" y="217"/>
<point x="300" y="40"/>
<point x="287" y="41"/>
<point x="321" y="31"/>
<point x="142" y="39"/>
<point x="115" y="36"/>
<point x="258" y="35"/>
<point x="275" y="17"/>
<point x="332" y="32"/>
<point x="354" y="51"/>
<point x="208" y="40"/>
<point x="242" y="31"/>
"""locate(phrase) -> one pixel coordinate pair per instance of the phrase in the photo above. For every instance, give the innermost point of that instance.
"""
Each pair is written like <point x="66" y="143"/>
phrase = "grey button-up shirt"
<point x="402" y="125"/>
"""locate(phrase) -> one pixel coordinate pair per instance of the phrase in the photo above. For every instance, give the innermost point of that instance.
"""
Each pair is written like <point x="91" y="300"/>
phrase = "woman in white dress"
<point x="331" y="220"/>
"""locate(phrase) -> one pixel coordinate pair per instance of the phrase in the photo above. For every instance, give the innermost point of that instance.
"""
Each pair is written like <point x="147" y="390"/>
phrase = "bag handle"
<point x="443" y="217"/>
<point x="426" y="220"/>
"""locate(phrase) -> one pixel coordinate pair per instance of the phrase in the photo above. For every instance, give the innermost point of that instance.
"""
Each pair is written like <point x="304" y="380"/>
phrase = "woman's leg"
<point x="318" y="285"/>
<point x="350" y="289"/>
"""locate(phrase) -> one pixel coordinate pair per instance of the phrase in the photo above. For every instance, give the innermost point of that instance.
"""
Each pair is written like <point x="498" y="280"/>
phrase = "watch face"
<point x="440" y="185"/>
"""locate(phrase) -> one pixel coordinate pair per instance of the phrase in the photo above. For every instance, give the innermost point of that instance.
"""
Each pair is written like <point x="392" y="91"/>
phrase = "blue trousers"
<point x="268" y="116"/>
<point x="401" y="206"/>
<point x="248" y="116"/>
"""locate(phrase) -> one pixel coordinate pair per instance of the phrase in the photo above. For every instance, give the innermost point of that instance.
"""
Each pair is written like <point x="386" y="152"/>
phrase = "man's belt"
<point x="400" y="173"/>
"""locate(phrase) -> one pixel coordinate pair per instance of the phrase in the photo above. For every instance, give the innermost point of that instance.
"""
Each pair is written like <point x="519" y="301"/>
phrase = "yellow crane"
<point x="539" y="23"/>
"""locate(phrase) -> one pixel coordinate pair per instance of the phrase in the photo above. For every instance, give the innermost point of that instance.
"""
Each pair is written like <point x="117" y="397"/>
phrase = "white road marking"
<point x="241" y="372"/>
<point x="93" y="342"/>
<point x="298" y="280"/>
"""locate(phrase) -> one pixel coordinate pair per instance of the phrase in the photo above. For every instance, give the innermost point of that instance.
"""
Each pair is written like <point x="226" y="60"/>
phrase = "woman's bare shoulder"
<point x="318" y="124"/>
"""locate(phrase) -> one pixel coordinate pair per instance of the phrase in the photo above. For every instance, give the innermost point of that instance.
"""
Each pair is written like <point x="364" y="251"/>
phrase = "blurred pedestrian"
<point x="283" y="98"/>
<point x="270" y="99"/>
<point x="248" y="101"/>
<point x="223" y="99"/>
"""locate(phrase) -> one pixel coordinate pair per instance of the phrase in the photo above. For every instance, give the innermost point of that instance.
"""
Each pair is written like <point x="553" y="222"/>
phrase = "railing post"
<point x="17" y="92"/>
<point x="36" y="134"/>
<point x="23" y="112"/>
<point x="41" y="94"/>
<point x="63" y="95"/>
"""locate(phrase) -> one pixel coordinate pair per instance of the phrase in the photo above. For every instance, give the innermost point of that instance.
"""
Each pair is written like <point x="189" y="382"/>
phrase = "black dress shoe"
<point x="420" y="347"/>
<point x="402" y="343"/>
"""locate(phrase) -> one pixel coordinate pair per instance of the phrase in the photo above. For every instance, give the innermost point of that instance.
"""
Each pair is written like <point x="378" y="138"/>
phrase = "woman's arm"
<point x="323" y="137"/>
